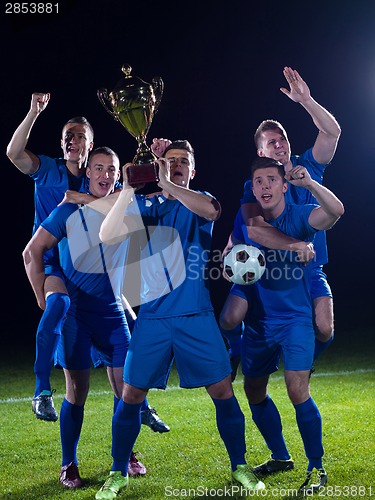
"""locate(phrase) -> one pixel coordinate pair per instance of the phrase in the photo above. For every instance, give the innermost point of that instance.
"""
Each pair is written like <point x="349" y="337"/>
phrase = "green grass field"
<point x="190" y="461"/>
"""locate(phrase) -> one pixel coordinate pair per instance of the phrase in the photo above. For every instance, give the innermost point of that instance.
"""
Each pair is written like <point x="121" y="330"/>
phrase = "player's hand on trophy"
<point x="158" y="146"/>
<point x="39" y="101"/>
<point x="164" y="172"/>
<point x="125" y="182"/>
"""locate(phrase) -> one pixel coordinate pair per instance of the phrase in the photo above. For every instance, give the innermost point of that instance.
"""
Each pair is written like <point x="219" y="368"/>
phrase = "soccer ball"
<point x="244" y="264"/>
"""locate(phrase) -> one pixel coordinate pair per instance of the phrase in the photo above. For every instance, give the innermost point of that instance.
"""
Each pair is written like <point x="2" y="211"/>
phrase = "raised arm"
<point x="329" y="129"/>
<point x="330" y="207"/>
<point x="41" y="241"/>
<point x="26" y="161"/>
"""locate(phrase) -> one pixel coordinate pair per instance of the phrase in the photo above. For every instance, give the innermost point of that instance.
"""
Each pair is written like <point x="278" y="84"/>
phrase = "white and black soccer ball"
<point x="244" y="264"/>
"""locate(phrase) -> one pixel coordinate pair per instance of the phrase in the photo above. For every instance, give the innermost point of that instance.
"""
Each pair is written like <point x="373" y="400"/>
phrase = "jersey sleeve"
<point x="237" y="226"/>
<point x="55" y="223"/>
<point x="315" y="169"/>
<point x="248" y="195"/>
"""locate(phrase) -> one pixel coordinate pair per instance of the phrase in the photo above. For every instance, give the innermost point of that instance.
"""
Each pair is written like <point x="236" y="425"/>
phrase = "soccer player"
<point x="93" y="276"/>
<point x="279" y="319"/>
<point x="54" y="177"/>
<point x="271" y="140"/>
<point x="176" y="316"/>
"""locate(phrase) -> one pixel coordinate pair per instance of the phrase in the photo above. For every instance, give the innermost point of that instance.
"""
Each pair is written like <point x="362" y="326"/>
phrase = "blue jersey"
<point x="175" y="248"/>
<point x="301" y="196"/>
<point x="283" y="292"/>
<point x="52" y="180"/>
<point x="94" y="272"/>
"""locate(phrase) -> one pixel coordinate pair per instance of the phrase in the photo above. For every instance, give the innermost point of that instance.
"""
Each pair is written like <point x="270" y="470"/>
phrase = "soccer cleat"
<point x="150" y="418"/>
<point x="135" y="467"/>
<point x="234" y="363"/>
<point x="246" y="477"/>
<point x="115" y="482"/>
<point x="272" y="466"/>
<point x="69" y="476"/>
<point x="43" y="407"/>
<point x="308" y="488"/>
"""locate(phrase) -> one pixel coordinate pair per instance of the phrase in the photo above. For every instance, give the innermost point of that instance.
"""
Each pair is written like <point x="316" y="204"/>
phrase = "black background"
<point x="222" y="69"/>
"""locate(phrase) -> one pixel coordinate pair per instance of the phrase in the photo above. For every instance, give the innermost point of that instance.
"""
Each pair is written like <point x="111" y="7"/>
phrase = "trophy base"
<point x="142" y="174"/>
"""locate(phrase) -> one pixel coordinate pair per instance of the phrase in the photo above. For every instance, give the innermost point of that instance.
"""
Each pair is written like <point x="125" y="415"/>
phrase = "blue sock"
<point x="266" y="417"/>
<point x="144" y="405"/>
<point x="126" y="425"/>
<point x="234" y="339"/>
<point x="115" y="403"/>
<point x="47" y="335"/>
<point x="321" y="346"/>
<point x="235" y="346"/>
<point x="71" y="418"/>
<point x="231" y="425"/>
<point x="309" y="423"/>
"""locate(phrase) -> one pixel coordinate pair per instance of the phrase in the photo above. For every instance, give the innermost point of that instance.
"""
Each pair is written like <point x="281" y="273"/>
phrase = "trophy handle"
<point x="158" y="86"/>
<point x="103" y="97"/>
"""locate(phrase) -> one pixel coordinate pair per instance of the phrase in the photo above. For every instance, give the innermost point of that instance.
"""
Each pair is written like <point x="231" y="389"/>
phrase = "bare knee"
<point x="324" y="319"/>
<point x="77" y="386"/>
<point x="297" y="384"/>
<point x="256" y="389"/>
<point x="221" y="390"/>
<point x="233" y="312"/>
<point x="133" y="395"/>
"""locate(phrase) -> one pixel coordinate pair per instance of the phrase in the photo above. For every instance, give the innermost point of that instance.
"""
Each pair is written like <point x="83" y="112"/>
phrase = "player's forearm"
<point x="323" y="119"/>
<point x="115" y="226"/>
<point x="34" y="268"/>
<point x="199" y="203"/>
<point x="331" y="208"/>
<point x="270" y="237"/>
<point x="16" y="150"/>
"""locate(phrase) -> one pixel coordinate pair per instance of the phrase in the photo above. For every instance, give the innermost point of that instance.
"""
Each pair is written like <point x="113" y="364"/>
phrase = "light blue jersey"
<point x="94" y="275"/>
<point x="93" y="271"/>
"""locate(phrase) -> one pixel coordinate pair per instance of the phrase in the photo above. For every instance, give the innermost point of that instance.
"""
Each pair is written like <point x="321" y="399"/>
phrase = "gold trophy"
<point x="133" y="103"/>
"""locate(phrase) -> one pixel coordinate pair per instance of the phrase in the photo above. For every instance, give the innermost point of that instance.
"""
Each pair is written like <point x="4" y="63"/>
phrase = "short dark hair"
<point x="265" y="162"/>
<point x="180" y="144"/>
<point x="103" y="150"/>
<point x="268" y="125"/>
<point x="82" y="121"/>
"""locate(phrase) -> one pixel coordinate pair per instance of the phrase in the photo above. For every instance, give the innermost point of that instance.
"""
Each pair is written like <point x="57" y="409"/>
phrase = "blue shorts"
<point x="244" y="291"/>
<point x="52" y="263"/>
<point x="261" y="351"/>
<point x="108" y="334"/>
<point x="319" y="284"/>
<point x="52" y="270"/>
<point x="194" y="341"/>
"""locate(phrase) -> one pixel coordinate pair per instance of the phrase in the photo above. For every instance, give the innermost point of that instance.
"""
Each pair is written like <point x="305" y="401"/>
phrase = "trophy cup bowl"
<point x="133" y="103"/>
